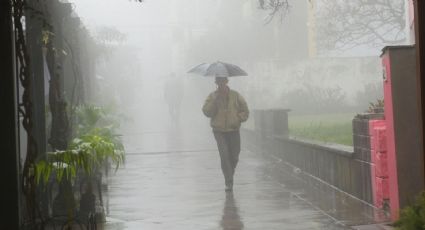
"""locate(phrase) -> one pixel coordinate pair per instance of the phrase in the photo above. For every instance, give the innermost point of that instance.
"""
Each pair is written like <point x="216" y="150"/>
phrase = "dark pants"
<point x="229" y="147"/>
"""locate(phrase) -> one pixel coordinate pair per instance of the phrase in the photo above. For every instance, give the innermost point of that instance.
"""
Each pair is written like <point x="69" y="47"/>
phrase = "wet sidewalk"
<point x="173" y="180"/>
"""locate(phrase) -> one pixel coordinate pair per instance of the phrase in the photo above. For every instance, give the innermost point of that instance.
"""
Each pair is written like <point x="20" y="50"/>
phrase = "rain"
<point x="213" y="114"/>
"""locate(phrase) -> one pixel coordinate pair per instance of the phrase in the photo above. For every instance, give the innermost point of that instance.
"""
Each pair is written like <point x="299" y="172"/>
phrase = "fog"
<point x="124" y="70"/>
<point x="288" y="65"/>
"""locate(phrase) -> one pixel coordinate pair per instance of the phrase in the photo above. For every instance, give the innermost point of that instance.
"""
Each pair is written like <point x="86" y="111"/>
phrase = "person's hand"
<point x="222" y="91"/>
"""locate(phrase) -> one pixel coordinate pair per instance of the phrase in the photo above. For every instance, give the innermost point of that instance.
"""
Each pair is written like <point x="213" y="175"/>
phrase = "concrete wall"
<point x="384" y="168"/>
<point x="332" y="164"/>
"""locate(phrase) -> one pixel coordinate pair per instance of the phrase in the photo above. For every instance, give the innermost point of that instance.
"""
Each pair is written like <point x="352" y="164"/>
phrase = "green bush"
<point x="85" y="154"/>
<point x="412" y="217"/>
<point x="95" y="143"/>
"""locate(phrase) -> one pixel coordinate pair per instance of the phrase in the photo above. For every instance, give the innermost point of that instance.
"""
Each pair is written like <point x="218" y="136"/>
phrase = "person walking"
<point x="173" y="94"/>
<point x="227" y="109"/>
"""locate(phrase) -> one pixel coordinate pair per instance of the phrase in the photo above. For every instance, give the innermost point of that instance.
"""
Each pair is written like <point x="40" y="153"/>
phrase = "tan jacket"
<point x="226" y="113"/>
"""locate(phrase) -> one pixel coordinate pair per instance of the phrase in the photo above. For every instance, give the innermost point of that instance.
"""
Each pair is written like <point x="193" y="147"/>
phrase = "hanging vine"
<point x="25" y="111"/>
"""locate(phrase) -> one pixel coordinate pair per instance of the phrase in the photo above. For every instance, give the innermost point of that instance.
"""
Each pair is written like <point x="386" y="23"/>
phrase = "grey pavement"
<point x="172" y="180"/>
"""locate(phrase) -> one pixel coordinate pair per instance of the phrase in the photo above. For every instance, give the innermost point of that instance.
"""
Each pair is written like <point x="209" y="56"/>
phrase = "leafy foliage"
<point x="110" y="34"/>
<point x="313" y="98"/>
<point x="95" y="143"/>
<point x="377" y="106"/>
<point x="87" y="154"/>
<point x="95" y="119"/>
<point x="413" y="216"/>
<point x="88" y="118"/>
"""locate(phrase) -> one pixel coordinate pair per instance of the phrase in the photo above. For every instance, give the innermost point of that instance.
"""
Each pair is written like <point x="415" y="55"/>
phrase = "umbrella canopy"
<point x="218" y="69"/>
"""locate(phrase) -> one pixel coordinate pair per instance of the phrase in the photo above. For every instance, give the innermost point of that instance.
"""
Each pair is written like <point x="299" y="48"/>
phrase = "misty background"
<point x="292" y="62"/>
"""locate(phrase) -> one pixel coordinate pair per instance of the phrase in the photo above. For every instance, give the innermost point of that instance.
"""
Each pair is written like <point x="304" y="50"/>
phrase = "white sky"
<point x="119" y="13"/>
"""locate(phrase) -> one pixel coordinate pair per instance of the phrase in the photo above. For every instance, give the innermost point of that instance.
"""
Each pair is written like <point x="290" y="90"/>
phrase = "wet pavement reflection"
<point x="343" y="208"/>
<point x="174" y="181"/>
<point x="231" y="219"/>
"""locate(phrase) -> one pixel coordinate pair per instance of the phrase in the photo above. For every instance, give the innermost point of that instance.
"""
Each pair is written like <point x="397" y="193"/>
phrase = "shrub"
<point x="413" y="217"/>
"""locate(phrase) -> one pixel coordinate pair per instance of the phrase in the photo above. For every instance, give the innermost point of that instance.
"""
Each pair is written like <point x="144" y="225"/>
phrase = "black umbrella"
<point x="218" y="69"/>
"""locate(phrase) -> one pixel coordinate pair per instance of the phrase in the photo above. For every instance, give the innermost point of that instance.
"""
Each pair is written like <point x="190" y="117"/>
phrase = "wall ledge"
<point x="343" y="150"/>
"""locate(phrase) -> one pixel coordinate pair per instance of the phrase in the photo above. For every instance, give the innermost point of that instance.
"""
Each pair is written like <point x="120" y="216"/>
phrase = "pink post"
<point x="391" y="157"/>
<point x="379" y="165"/>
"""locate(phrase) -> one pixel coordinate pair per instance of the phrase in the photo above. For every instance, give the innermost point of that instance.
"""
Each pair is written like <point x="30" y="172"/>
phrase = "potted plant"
<point x="377" y="107"/>
<point x="95" y="146"/>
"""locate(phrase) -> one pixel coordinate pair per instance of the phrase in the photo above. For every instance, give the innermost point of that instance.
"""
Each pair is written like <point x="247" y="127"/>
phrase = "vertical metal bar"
<point x="9" y="171"/>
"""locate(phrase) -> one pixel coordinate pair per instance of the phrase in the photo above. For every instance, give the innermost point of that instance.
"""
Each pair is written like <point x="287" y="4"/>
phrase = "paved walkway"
<point x="173" y="180"/>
